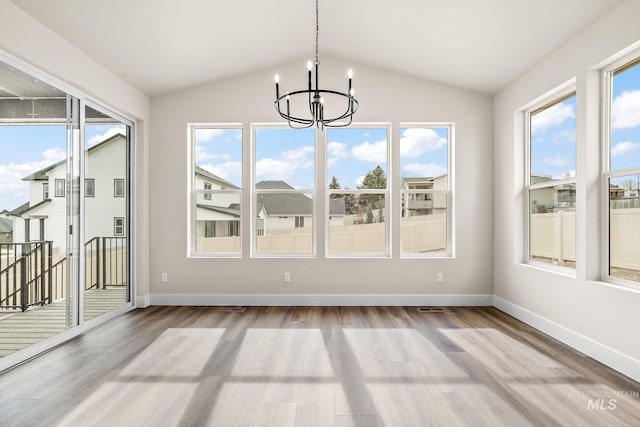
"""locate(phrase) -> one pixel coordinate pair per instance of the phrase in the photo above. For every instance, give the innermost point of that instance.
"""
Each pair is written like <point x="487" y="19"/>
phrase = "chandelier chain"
<point x="317" y="34"/>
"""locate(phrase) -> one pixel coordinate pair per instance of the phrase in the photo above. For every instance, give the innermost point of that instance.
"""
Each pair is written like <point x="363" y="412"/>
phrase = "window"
<point x="284" y="190"/>
<point x="118" y="226"/>
<point x="425" y="187"/>
<point x="118" y="187"/>
<point x="89" y="187"/>
<point x="60" y="190"/>
<point x="216" y="178"/>
<point x="357" y="191"/>
<point x="622" y="172"/>
<point x="45" y="191"/>
<point x="27" y="229"/>
<point x="551" y="182"/>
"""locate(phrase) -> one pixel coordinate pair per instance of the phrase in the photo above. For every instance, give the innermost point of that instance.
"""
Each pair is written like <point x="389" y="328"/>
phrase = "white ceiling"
<point x="163" y="45"/>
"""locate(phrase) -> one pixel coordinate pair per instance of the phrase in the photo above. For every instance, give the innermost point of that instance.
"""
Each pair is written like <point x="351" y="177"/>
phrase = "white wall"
<point x="598" y="318"/>
<point x="384" y="97"/>
<point x="26" y="40"/>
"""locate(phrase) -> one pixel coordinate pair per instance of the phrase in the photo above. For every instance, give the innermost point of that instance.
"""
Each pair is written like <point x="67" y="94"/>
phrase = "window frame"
<point x="116" y="219"/>
<point x="607" y="74"/>
<point x="88" y="193"/>
<point x="115" y="187"/>
<point x="45" y="191"/>
<point x="194" y="192"/>
<point x="450" y="241"/>
<point x="555" y="97"/>
<point x="62" y="187"/>
<point x="206" y="186"/>
<point x="388" y="212"/>
<point x="254" y="193"/>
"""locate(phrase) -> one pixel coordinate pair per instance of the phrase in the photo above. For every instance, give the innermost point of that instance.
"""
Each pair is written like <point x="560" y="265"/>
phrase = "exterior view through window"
<point x="551" y="182"/>
<point x="623" y="175"/>
<point x="284" y="191"/>
<point x="41" y="189"/>
<point x="217" y="189"/>
<point x="425" y="189"/>
<point x="358" y="190"/>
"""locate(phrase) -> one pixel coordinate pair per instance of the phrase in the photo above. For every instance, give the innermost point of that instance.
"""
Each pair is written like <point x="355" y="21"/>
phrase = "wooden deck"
<point x="19" y="330"/>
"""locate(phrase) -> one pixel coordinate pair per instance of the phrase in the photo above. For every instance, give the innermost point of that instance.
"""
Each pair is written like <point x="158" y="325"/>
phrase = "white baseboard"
<point x="603" y="354"/>
<point x="143" y="301"/>
<point x="319" y="300"/>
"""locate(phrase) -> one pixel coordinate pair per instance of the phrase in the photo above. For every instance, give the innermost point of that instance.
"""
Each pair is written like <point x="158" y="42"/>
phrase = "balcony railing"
<point x="29" y="276"/>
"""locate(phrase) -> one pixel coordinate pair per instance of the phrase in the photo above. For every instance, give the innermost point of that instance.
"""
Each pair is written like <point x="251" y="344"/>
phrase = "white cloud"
<point x="108" y="134"/>
<point x="555" y="161"/>
<point x="417" y="141"/>
<point x="284" y="167"/>
<point x="337" y="149"/>
<point x="15" y="191"/>
<point x="231" y="171"/>
<point x="202" y="155"/>
<point x="358" y="181"/>
<point x="207" y="134"/>
<point x="375" y="152"/>
<point x="625" y="110"/>
<point x="424" y="170"/>
<point x="622" y="148"/>
<point x="54" y="154"/>
<point x="552" y="116"/>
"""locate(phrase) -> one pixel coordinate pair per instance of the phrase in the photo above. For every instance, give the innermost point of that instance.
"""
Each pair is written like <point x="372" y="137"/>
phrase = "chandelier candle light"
<point x="315" y="100"/>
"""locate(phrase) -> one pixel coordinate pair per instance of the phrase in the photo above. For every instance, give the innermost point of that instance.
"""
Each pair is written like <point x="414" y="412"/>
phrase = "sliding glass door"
<point x="106" y="219"/>
<point x="64" y="212"/>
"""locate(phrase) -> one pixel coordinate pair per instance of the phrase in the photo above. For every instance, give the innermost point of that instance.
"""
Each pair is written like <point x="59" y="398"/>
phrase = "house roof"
<point x="24" y="208"/>
<point x="6" y="225"/>
<point x="286" y="204"/>
<point x="205" y="173"/>
<point x="41" y="175"/>
<point x="232" y="211"/>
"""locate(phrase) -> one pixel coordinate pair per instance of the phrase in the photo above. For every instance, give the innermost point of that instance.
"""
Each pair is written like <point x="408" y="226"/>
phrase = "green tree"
<point x="334" y="185"/>
<point x="374" y="179"/>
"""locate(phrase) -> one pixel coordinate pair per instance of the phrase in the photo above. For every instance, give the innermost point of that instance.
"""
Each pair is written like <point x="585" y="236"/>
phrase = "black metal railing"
<point x="25" y="274"/>
<point x="29" y="276"/>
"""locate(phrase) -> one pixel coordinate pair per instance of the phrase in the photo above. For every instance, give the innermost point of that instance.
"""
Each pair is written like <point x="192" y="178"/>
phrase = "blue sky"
<point x="289" y="154"/>
<point x="27" y="149"/>
<point x="625" y="119"/>
<point x="553" y="140"/>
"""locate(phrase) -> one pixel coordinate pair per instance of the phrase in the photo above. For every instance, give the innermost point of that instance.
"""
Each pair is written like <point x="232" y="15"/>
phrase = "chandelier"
<point x="292" y="105"/>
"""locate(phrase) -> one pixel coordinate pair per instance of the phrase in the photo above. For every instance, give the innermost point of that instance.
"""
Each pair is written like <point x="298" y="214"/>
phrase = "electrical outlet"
<point x="286" y="278"/>
<point x="165" y="277"/>
<point x="439" y="278"/>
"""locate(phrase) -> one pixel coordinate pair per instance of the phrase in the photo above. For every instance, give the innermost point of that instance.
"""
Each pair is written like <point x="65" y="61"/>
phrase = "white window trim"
<point x="450" y="242"/>
<point x="607" y="174"/>
<point x="565" y="91"/>
<point x="388" y="213"/>
<point x="255" y="192"/>
<point x="193" y="192"/>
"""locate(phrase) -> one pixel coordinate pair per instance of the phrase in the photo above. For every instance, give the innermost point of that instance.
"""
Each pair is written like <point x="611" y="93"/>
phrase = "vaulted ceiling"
<point x="163" y="45"/>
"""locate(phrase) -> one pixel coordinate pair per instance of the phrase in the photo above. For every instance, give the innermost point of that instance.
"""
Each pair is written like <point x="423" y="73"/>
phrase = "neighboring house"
<point x="44" y="216"/>
<point x="424" y="204"/>
<point x="6" y="228"/>
<point x="217" y="215"/>
<point x="286" y="211"/>
<point x="551" y="199"/>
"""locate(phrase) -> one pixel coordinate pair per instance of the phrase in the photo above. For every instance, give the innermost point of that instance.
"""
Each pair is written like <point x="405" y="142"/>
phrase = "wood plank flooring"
<point x="19" y="330"/>
<point x="316" y="366"/>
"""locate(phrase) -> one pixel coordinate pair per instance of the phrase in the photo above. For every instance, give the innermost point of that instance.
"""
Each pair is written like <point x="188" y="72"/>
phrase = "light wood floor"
<point x="19" y="330"/>
<point x="316" y="366"/>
